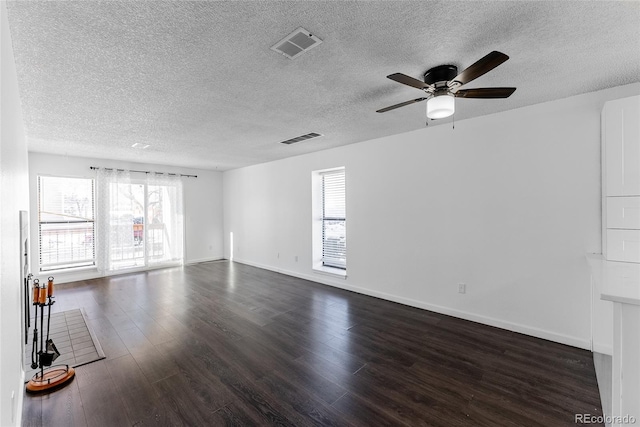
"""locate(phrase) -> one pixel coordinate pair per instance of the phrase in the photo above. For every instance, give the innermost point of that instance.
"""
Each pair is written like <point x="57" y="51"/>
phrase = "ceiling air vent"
<point x="301" y="138"/>
<point x="296" y="43"/>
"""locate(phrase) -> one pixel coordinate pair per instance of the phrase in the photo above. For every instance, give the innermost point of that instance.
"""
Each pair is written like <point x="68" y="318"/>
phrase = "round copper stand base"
<point x="51" y="378"/>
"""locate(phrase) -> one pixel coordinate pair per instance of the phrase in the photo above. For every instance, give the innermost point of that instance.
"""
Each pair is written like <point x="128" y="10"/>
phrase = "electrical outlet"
<point x="462" y="288"/>
<point x="278" y="255"/>
<point x="296" y="258"/>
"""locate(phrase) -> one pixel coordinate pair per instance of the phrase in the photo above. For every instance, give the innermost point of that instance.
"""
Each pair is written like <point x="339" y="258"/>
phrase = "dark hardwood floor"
<point x="222" y="343"/>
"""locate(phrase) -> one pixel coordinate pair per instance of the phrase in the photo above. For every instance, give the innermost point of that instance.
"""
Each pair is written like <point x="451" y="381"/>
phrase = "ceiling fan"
<point x="442" y="84"/>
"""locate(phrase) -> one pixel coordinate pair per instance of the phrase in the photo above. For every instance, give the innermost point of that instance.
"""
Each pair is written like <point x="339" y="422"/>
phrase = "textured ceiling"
<point x="199" y="84"/>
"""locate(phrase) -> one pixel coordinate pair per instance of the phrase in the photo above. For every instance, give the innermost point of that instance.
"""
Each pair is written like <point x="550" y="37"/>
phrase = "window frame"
<point x="73" y="265"/>
<point x="319" y="264"/>
<point x="326" y="218"/>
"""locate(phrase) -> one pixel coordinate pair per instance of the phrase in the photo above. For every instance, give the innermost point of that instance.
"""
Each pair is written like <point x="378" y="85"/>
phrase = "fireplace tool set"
<point x="44" y="352"/>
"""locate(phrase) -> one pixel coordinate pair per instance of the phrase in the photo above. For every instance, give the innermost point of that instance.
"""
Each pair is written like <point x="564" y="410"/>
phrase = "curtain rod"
<point x="129" y="170"/>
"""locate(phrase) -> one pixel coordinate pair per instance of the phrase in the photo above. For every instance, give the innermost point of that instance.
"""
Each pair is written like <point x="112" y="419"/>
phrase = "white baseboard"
<point x="198" y="261"/>
<point x="88" y="274"/>
<point x="19" y="396"/>
<point x="486" y="320"/>
<point x="75" y="276"/>
<point x="603" y="349"/>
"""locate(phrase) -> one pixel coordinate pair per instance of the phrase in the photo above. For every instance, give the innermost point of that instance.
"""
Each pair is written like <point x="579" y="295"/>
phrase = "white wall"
<point x="507" y="203"/>
<point x="13" y="198"/>
<point x="202" y="200"/>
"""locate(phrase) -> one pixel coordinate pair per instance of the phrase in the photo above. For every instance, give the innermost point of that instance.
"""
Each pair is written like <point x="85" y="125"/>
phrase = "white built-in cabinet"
<point x="617" y="273"/>
<point x="621" y="179"/>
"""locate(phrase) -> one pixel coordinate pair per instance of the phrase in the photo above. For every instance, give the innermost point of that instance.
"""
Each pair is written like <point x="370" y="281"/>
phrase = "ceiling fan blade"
<point x="402" y="104"/>
<point x="481" y="67"/>
<point x="487" y="92"/>
<point x="407" y="80"/>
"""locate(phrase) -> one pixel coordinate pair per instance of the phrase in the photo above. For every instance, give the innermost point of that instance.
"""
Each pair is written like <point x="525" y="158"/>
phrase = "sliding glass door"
<point x="140" y="221"/>
<point x="164" y="234"/>
<point x="126" y="226"/>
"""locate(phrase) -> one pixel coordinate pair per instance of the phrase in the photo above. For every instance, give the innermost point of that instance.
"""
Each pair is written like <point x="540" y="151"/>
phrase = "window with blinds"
<point x="66" y="222"/>
<point x="334" y="236"/>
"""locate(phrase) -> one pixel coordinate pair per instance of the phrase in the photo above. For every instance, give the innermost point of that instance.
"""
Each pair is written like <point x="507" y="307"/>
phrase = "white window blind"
<point x="66" y="222"/>
<point x="334" y="236"/>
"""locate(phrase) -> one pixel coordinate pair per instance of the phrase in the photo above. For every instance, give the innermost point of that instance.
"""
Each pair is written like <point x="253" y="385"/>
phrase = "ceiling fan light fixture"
<point x="441" y="106"/>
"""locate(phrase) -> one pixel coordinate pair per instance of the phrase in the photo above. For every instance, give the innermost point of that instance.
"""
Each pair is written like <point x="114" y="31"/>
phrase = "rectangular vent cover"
<point x="301" y="138"/>
<point x="296" y="43"/>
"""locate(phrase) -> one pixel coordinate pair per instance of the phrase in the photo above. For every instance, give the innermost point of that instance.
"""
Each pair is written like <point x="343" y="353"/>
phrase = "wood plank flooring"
<point x="222" y="343"/>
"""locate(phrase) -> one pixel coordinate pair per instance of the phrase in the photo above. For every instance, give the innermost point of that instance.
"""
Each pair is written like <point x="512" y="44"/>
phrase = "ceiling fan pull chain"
<point x="454" y="121"/>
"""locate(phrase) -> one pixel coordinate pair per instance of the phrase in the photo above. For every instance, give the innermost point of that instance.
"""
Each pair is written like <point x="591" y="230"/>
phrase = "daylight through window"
<point x="334" y="235"/>
<point x="66" y="222"/>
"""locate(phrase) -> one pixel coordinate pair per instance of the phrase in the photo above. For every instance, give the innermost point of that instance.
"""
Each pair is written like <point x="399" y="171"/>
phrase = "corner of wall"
<point x="14" y="195"/>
